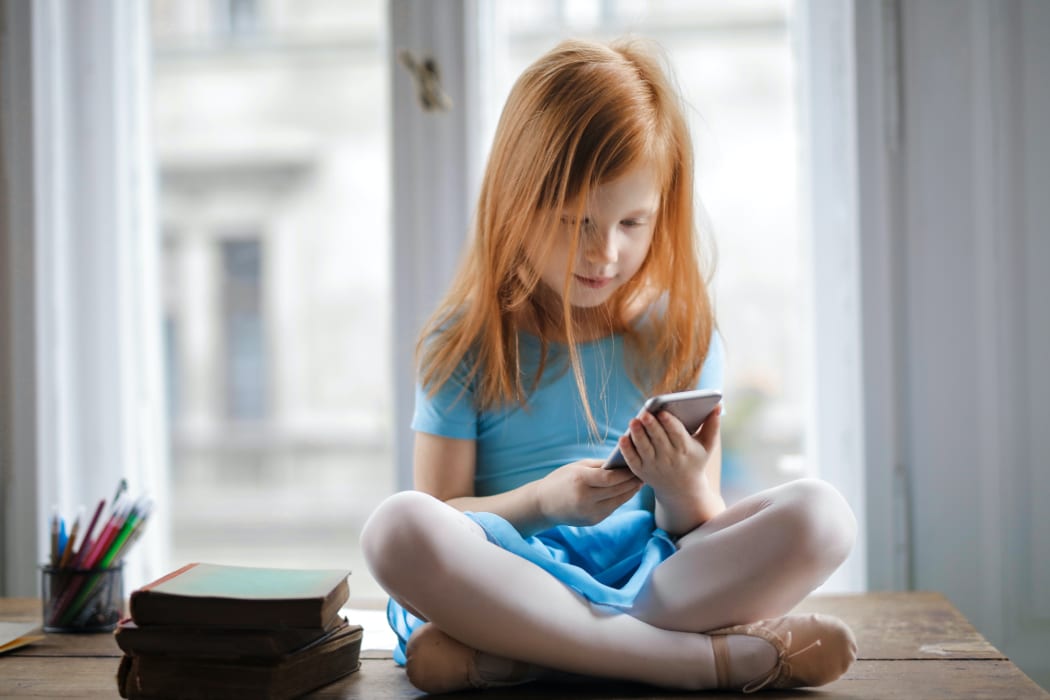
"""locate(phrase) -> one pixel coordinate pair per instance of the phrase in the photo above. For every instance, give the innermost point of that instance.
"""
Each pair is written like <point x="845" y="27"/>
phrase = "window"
<point x="272" y="155"/>
<point x="285" y="137"/>
<point x="243" y="331"/>
<point x="273" y="163"/>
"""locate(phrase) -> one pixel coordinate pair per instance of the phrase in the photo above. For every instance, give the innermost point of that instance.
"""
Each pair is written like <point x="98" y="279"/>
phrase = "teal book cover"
<point x="242" y="597"/>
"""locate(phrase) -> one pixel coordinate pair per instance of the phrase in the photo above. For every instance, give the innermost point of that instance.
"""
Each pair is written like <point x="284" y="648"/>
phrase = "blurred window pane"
<point x="244" y="330"/>
<point x="236" y="17"/>
<point x="271" y="134"/>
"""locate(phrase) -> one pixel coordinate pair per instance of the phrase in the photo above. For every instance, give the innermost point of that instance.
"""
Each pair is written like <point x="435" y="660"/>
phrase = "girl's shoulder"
<point x="435" y="349"/>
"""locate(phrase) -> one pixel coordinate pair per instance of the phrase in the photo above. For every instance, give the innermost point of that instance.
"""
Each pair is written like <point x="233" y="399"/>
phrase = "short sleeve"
<point x="449" y="412"/>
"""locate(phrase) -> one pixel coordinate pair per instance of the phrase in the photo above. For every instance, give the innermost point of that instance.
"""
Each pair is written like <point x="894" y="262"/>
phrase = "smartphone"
<point x="690" y="407"/>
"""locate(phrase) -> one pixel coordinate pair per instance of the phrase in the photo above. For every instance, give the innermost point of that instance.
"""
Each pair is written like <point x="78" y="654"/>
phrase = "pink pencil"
<point x="107" y="534"/>
<point x="85" y="543"/>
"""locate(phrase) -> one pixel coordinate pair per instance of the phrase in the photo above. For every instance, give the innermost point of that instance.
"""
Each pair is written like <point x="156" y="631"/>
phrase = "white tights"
<point x="756" y="560"/>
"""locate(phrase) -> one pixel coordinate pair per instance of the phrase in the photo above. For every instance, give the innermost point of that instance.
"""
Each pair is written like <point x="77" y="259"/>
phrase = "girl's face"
<point x="615" y="235"/>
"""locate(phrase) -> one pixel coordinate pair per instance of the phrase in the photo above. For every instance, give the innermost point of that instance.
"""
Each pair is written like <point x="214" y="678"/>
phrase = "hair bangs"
<point x="614" y="125"/>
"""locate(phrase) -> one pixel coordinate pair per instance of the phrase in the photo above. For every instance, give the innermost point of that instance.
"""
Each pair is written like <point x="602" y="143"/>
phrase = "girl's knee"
<point x="822" y="522"/>
<point x="395" y="528"/>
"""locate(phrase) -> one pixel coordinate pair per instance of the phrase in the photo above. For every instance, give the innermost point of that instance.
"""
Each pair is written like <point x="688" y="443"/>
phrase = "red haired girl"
<point x="582" y="292"/>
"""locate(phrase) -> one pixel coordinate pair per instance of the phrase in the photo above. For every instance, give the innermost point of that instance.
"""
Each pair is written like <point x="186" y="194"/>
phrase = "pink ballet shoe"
<point x="811" y="650"/>
<point x="437" y="663"/>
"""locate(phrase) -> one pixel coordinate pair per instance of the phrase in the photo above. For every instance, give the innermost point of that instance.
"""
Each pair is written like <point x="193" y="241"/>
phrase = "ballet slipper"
<point x="811" y="650"/>
<point x="437" y="663"/>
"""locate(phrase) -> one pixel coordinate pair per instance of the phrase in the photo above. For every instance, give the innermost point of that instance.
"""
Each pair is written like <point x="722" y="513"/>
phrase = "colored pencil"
<point x="67" y="551"/>
<point x="85" y="545"/>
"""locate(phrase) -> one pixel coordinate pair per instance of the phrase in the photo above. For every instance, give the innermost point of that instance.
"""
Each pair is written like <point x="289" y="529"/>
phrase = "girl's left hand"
<point x="662" y="453"/>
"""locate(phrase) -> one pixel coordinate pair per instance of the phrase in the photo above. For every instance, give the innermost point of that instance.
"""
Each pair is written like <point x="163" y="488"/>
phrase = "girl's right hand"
<point x="582" y="493"/>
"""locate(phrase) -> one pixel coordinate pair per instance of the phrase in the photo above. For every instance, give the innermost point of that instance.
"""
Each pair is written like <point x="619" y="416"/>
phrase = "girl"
<point x="581" y="294"/>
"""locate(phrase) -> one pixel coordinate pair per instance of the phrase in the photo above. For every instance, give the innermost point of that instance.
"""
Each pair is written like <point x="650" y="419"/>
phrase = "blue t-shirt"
<point x="519" y="444"/>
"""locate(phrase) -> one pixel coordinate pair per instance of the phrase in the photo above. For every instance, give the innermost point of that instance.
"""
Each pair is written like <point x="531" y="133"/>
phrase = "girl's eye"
<point x="571" y="221"/>
<point x="632" y="223"/>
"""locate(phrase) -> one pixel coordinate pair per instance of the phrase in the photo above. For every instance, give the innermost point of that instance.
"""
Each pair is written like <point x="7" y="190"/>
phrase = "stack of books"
<point x="219" y="631"/>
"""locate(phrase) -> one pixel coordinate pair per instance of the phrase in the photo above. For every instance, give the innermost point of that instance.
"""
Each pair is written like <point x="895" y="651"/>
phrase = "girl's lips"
<point x="593" y="282"/>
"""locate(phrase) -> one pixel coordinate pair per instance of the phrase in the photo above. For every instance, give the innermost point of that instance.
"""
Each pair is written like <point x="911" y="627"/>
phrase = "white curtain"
<point x="83" y="332"/>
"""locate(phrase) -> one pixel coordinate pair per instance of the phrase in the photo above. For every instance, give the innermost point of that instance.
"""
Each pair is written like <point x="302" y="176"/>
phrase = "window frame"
<point x="435" y="175"/>
<point x="850" y="419"/>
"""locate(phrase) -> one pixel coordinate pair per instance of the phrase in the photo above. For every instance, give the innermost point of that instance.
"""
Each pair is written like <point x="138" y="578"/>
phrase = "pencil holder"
<point x="82" y="600"/>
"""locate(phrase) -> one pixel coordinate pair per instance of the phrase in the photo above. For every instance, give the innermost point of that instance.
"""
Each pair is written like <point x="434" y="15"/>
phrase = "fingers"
<point x="644" y="439"/>
<point x="622" y="495"/>
<point x="677" y="435"/>
<point x="605" y="478"/>
<point x="661" y="436"/>
<point x="628" y="482"/>
<point x="607" y="490"/>
<point x="657" y="435"/>
<point x="649" y="434"/>
<point x="630" y="455"/>
<point x="709" y="430"/>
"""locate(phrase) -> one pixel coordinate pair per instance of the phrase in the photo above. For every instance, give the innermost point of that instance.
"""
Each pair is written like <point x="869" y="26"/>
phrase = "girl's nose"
<point x="600" y="247"/>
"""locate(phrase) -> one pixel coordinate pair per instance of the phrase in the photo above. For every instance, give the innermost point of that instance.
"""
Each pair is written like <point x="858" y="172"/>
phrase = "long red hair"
<point x="581" y="115"/>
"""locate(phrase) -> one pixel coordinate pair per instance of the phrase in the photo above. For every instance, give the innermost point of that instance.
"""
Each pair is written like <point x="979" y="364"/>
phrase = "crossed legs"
<point x="757" y="559"/>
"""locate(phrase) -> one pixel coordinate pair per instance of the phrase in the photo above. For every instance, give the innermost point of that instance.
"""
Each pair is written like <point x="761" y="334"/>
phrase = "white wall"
<point x="953" y="105"/>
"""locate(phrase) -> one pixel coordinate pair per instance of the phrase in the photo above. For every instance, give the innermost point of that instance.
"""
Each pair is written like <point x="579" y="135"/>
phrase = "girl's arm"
<point x="581" y="493"/>
<point x="679" y="516"/>
<point x="444" y="468"/>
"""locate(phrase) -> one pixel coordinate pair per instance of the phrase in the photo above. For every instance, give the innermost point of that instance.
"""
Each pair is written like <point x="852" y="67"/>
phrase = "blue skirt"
<point x="607" y="563"/>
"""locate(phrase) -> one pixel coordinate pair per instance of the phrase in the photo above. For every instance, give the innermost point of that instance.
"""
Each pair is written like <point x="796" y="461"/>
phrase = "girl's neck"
<point x="546" y="320"/>
<point x="544" y="317"/>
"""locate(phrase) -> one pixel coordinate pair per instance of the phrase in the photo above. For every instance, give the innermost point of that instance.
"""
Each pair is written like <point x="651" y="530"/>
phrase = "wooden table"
<point x="912" y="645"/>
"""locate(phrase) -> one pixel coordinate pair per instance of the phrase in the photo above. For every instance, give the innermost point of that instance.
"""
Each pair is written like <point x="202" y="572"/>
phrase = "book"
<point x="14" y="635"/>
<point x="221" y="595"/>
<point x="217" y="642"/>
<point x="158" y="676"/>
